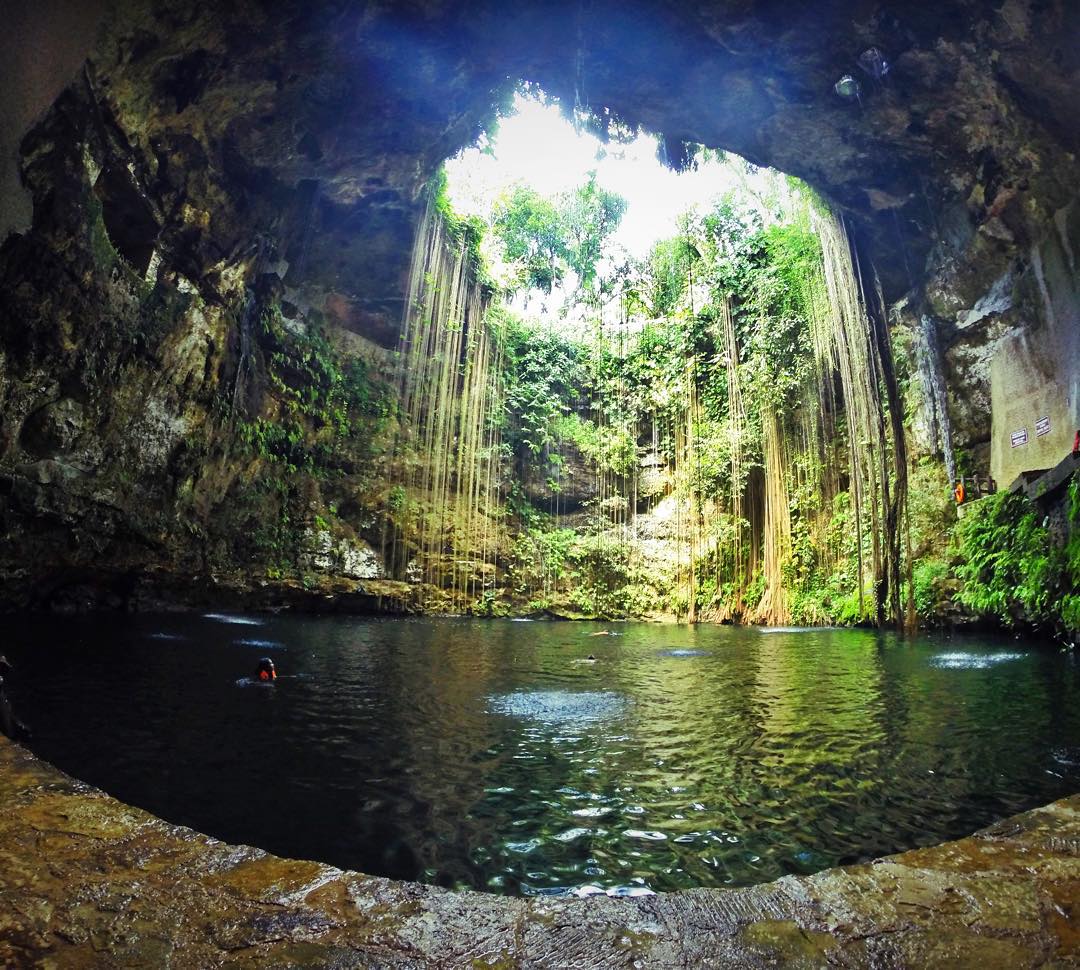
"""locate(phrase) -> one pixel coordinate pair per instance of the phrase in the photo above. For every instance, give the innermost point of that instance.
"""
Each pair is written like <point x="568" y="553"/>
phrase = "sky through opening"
<point x="537" y="146"/>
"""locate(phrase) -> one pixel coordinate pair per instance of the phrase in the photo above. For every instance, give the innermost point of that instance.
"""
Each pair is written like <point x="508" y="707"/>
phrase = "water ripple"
<point x="468" y="753"/>
<point x="558" y="707"/>
<point x="973" y="661"/>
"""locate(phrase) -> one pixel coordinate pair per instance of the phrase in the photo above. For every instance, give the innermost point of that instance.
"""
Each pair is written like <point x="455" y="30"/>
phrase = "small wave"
<point x="252" y="682"/>
<point x="524" y="848"/>
<point x="233" y="618"/>
<point x="795" y="629"/>
<point x="973" y="661"/>
<point x="167" y="636"/>
<point x="558" y="706"/>
<point x="262" y="644"/>
<point x="591" y="812"/>
<point x="630" y="891"/>
<point x="681" y="652"/>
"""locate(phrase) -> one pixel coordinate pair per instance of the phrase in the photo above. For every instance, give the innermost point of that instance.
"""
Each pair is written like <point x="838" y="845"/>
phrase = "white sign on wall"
<point x="1019" y="437"/>
<point x="1042" y="426"/>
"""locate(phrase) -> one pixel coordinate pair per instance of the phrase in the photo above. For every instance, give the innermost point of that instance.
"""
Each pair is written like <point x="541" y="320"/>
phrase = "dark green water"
<point x="492" y="754"/>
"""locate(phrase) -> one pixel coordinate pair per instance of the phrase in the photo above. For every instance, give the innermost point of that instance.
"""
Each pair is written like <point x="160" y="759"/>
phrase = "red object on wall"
<point x="1076" y="444"/>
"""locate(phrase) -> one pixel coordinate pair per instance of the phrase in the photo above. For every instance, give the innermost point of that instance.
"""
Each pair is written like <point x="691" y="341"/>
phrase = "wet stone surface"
<point x="86" y="881"/>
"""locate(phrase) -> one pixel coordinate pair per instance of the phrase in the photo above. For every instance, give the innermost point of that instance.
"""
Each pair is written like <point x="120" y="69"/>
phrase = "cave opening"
<point x="631" y="375"/>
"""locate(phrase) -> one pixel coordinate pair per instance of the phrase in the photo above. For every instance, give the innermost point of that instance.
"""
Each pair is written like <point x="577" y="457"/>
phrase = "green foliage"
<point x="1070" y="600"/>
<point x="663" y="277"/>
<point x="531" y="231"/>
<point x="611" y="449"/>
<point x="929" y="577"/>
<point x="547" y="237"/>
<point x="823" y="575"/>
<point x="1011" y="569"/>
<point x="590" y="215"/>
<point x="468" y="231"/>
<point x="329" y="401"/>
<point x="545" y="374"/>
<point x="397" y="500"/>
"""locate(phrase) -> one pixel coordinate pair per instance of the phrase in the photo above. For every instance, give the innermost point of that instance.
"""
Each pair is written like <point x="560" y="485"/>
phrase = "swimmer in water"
<point x="266" y="672"/>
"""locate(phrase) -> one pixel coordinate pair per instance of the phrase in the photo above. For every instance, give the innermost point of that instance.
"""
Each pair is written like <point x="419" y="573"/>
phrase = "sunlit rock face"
<point x="214" y="162"/>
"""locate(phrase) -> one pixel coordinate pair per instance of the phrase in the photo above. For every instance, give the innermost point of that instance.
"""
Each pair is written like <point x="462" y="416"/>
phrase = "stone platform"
<point x="86" y="881"/>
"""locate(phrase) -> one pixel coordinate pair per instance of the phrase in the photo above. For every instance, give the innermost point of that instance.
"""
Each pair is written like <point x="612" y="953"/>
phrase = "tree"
<point x="547" y="237"/>
<point x="590" y="215"/>
<point x="532" y="232"/>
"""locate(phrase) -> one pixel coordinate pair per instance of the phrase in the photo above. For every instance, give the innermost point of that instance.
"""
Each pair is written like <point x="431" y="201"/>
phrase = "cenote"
<point x="495" y="755"/>
<point x="742" y="337"/>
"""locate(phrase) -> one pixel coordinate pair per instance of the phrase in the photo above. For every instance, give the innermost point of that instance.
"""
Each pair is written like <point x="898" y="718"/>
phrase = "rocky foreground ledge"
<point x="86" y="881"/>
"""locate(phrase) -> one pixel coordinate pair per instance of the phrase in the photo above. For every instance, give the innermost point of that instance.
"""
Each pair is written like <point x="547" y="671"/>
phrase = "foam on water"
<point x="233" y="618"/>
<point x="558" y="706"/>
<point x="973" y="661"/>
<point x="252" y="682"/>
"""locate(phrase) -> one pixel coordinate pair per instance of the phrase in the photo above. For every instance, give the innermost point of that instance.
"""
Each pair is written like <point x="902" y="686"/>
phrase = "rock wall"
<point x="1035" y="371"/>
<point x="221" y="183"/>
<point x="42" y="47"/>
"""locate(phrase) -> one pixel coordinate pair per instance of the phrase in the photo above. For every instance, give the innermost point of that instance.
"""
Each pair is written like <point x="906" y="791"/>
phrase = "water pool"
<point x="495" y="754"/>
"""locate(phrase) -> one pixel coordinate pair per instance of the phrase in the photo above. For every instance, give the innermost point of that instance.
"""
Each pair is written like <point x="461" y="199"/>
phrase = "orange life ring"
<point x="959" y="493"/>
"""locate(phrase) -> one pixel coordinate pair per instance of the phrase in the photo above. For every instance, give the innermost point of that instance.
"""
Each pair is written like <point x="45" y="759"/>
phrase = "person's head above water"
<point x="265" y="670"/>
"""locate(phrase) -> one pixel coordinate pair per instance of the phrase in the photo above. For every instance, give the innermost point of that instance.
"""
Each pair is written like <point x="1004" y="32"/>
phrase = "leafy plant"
<point x="1011" y="569"/>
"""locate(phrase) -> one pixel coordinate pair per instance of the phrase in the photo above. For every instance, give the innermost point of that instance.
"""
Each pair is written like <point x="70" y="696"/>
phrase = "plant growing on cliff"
<point x="1070" y="601"/>
<point x="1011" y="569"/>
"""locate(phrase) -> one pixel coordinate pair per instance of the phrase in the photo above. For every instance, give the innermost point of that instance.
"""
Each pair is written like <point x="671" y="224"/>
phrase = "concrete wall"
<point x="1035" y="373"/>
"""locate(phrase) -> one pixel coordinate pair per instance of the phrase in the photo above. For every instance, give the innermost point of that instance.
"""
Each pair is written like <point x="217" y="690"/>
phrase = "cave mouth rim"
<point x="612" y="138"/>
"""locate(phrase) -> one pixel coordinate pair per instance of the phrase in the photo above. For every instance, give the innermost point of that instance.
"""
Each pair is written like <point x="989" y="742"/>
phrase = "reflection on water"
<point x="488" y="754"/>
<point x="795" y="629"/>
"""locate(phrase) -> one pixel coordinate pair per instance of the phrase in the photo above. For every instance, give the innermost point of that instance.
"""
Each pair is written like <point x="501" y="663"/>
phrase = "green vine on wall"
<point x="1012" y="570"/>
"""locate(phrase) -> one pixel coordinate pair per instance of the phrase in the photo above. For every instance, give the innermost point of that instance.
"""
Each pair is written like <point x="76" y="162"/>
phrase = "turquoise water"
<point x="494" y="754"/>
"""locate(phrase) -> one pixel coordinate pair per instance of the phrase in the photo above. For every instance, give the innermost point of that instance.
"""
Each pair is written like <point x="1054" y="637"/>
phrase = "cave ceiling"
<point x="299" y="136"/>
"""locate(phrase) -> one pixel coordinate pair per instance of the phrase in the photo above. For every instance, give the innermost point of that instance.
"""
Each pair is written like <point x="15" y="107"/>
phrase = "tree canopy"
<point x="547" y="237"/>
